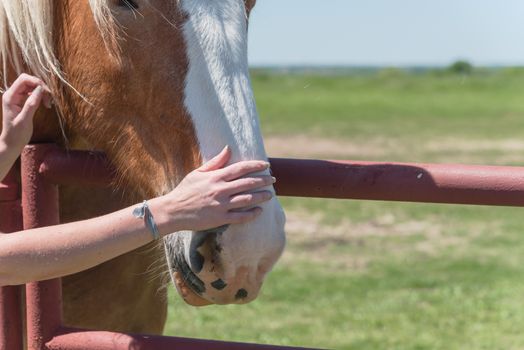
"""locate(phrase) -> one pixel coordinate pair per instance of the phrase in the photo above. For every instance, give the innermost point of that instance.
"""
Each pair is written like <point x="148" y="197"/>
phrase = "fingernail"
<point x="38" y="89"/>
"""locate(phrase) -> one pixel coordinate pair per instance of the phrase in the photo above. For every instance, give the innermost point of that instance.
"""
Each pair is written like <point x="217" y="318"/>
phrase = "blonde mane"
<point x="26" y="37"/>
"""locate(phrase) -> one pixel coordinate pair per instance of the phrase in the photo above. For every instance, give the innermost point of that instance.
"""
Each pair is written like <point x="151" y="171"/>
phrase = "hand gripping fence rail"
<point x="45" y="166"/>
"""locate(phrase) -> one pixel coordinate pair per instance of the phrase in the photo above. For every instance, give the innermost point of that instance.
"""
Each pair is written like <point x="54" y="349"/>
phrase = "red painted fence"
<point x="10" y="297"/>
<point x="46" y="166"/>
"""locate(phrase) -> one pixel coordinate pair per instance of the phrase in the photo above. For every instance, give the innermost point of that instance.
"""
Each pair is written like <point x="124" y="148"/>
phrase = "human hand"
<point x="214" y="195"/>
<point x="19" y="104"/>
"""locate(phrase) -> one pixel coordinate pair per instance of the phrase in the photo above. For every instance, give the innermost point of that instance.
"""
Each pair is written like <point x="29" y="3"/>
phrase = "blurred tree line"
<point x="461" y="67"/>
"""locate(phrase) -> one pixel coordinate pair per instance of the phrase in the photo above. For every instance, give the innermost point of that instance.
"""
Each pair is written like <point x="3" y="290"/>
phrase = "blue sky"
<point x="387" y="32"/>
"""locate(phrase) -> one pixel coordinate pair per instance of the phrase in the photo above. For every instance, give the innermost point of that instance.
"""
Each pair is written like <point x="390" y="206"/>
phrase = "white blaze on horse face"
<point x="218" y="89"/>
<point x="219" y="98"/>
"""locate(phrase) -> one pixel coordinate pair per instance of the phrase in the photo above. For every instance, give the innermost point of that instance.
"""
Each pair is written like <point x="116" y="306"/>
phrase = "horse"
<point x="160" y="86"/>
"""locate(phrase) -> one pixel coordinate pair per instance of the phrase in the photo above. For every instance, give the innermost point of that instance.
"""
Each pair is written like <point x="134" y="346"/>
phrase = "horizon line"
<point x="401" y="66"/>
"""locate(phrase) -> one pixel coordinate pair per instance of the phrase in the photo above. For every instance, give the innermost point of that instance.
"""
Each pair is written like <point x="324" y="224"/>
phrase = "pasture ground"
<point x="375" y="275"/>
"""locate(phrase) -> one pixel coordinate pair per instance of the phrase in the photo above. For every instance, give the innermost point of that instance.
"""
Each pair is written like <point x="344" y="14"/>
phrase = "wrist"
<point x="161" y="209"/>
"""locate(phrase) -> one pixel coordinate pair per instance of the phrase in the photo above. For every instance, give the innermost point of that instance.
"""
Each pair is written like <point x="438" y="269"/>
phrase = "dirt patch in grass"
<point x="477" y="151"/>
<point x="354" y="245"/>
<point x="445" y="150"/>
<point x="303" y="146"/>
<point x="476" y="145"/>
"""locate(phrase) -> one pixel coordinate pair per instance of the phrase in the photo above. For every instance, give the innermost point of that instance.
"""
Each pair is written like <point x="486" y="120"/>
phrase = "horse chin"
<point x="189" y="296"/>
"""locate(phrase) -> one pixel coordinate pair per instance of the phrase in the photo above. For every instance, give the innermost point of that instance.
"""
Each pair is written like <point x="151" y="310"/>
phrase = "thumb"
<point x="31" y="104"/>
<point x="218" y="161"/>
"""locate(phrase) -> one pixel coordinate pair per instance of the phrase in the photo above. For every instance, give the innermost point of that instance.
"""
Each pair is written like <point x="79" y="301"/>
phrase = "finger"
<point x="217" y="161"/>
<point x="31" y="104"/>
<point x="46" y="88"/>
<point x="250" y="183"/>
<point x="241" y="217"/>
<point x="237" y="170"/>
<point x="24" y="84"/>
<point x="250" y="199"/>
<point x="47" y="100"/>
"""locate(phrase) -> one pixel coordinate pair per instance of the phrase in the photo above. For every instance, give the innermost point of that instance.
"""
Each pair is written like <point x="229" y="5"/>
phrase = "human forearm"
<point x="54" y="251"/>
<point x="8" y="156"/>
<point x="210" y="196"/>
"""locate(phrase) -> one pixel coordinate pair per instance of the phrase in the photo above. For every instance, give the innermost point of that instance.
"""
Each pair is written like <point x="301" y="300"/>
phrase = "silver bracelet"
<point x="143" y="212"/>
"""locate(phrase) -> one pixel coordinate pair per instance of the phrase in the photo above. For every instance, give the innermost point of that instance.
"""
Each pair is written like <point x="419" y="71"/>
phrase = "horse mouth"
<point x="187" y="293"/>
<point x="188" y="285"/>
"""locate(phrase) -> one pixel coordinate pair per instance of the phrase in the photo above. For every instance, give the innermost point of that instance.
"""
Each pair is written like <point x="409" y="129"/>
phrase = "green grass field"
<point x="374" y="275"/>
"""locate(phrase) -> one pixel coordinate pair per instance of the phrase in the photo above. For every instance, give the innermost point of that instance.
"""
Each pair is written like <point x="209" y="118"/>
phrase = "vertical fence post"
<point x="11" y="334"/>
<point x="40" y="208"/>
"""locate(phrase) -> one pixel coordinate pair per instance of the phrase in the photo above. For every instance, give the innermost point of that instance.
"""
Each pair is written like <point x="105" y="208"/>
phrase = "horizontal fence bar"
<point x="76" y="339"/>
<point x="408" y="182"/>
<point x="78" y="168"/>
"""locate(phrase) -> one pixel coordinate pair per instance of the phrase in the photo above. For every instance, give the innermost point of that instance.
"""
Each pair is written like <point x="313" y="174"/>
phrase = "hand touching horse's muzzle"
<point x="227" y="265"/>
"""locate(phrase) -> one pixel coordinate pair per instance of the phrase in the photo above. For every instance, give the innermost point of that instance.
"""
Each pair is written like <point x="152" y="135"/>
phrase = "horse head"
<point x="161" y="87"/>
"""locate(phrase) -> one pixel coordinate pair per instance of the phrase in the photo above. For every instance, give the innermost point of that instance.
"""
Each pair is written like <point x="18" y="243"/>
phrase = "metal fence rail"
<point x="408" y="182"/>
<point x="46" y="166"/>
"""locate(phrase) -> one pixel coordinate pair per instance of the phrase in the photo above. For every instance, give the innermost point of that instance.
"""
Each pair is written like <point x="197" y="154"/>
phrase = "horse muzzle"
<point x="226" y="265"/>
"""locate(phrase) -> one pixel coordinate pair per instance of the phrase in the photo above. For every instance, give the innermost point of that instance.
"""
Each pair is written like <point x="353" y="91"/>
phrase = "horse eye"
<point x="131" y="4"/>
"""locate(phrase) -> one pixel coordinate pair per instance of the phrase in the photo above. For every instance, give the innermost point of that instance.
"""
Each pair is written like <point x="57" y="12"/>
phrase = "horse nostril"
<point x="205" y="245"/>
<point x="197" y="261"/>
<point x="241" y="294"/>
<point x="219" y="284"/>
